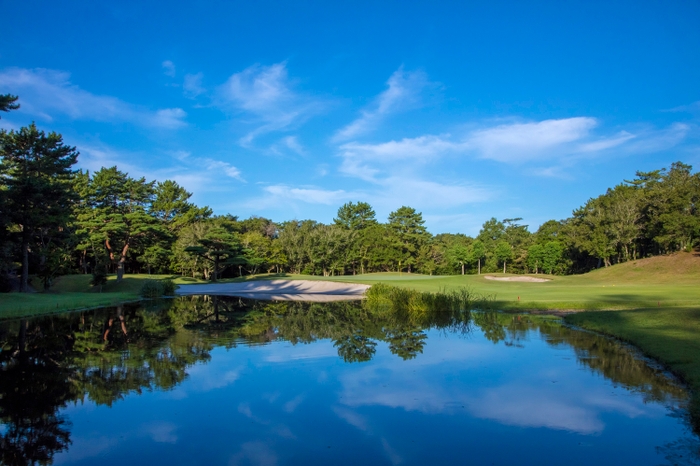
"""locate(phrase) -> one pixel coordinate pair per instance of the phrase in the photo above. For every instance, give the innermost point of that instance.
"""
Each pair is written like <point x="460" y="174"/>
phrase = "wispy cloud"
<point x="266" y="93"/>
<point x="223" y="167"/>
<point x="657" y="140"/>
<point x="288" y="144"/>
<point x="385" y="195"/>
<point x="310" y="195"/>
<point x="45" y="94"/>
<point x="364" y="160"/>
<point x="693" y="108"/>
<point x="404" y="91"/>
<point x="192" y="85"/>
<point x="168" y="68"/>
<point x="560" y="141"/>
<point x="519" y="142"/>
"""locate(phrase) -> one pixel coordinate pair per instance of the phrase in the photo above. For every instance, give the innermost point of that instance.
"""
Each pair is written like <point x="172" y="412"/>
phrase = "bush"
<point x="158" y="288"/>
<point x="99" y="277"/>
<point x="169" y="287"/>
<point x="152" y="289"/>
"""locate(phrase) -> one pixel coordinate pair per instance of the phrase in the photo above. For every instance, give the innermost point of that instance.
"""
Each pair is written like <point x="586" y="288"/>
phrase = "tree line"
<point x="57" y="220"/>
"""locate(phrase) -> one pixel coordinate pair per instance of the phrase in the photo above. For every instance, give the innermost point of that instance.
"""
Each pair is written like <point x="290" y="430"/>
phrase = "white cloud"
<point x="519" y="142"/>
<point x="403" y="92"/>
<point x="693" y="108"/>
<point x="170" y="118"/>
<point x="223" y="167"/>
<point x="168" y="68"/>
<point x="192" y="85"/>
<point x="362" y="160"/>
<point x="47" y="93"/>
<point x="293" y="144"/>
<point x="93" y="157"/>
<point x="265" y="92"/>
<point x="551" y="172"/>
<point x="310" y="195"/>
<point x="654" y="140"/>
<point x="557" y="142"/>
<point x="422" y="194"/>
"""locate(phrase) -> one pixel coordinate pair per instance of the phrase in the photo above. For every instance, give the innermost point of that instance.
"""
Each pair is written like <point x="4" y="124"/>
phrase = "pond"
<point x="207" y="380"/>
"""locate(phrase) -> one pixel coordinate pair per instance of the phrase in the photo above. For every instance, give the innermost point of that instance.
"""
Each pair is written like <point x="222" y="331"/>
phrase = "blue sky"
<point x="464" y="111"/>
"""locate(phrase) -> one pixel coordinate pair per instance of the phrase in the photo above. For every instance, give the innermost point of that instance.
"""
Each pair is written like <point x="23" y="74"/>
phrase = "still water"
<point x="202" y="380"/>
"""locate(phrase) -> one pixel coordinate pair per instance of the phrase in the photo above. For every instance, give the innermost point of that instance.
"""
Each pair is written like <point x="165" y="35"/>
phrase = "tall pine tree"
<point x="36" y="172"/>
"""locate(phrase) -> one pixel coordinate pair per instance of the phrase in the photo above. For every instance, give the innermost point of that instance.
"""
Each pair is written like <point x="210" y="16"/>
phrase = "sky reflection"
<point x="527" y="392"/>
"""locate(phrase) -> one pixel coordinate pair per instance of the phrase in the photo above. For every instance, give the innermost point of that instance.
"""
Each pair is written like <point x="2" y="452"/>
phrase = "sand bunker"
<point x="280" y="290"/>
<point x="517" y="279"/>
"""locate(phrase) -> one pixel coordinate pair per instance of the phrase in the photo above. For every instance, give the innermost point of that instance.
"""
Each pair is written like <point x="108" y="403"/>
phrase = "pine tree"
<point x="37" y="175"/>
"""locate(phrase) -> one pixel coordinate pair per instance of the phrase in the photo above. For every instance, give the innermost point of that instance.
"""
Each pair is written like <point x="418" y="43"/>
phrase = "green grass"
<point x="74" y="292"/>
<point x="580" y="292"/>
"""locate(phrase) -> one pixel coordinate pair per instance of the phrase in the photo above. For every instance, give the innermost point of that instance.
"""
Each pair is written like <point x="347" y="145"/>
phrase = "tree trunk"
<point x="122" y="260"/>
<point x="479" y="266"/>
<point x="24" y="280"/>
<point x="504" y="266"/>
<point x="120" y="269"/>
<point x="462" y="269"/>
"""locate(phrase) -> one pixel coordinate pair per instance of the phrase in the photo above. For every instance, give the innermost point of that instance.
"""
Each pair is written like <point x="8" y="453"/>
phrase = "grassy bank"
<point x="669" y="335"/>
<point x="74" y="292"/>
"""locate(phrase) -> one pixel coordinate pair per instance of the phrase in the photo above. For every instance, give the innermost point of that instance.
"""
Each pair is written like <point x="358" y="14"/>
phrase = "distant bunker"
<point x="280" y="290"/>
<point x="517" y="279"/>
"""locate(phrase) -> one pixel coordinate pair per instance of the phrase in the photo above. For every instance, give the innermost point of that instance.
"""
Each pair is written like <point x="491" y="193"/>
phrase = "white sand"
<point x="517" y="279"/>
<point x="280" y="290"/>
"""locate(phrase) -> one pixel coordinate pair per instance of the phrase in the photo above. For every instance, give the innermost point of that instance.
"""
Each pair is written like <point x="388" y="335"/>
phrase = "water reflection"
<point x="100" y="357"/>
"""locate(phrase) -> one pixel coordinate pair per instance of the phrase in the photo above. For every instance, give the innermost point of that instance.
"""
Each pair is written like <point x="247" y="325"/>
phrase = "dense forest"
<point x="55" y="220"/>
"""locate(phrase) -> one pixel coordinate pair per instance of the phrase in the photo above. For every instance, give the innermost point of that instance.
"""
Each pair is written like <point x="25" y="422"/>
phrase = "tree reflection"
<point x="610" y="358"/>
<point x="104" y="355"/>
<point x="33" y="387"/>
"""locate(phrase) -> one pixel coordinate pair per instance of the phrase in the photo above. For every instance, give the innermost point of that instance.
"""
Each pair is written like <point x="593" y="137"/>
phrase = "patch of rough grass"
<point x="383" y="297"/>
<point x="669" y="335"/>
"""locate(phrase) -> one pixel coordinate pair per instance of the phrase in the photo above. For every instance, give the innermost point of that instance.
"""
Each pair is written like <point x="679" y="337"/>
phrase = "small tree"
<point x="460" y="255"/>
<point x="535" y="257"/>
<point x="221" y="248"/>
<point x="477" y="252"/>
<point x="503" y="253"/>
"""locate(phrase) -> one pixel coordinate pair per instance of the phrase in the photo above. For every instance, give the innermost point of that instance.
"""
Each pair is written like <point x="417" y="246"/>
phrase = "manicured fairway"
<point x="571" y="292"/>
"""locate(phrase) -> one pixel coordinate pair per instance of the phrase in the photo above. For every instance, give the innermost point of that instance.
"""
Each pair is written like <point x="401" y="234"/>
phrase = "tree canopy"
<point x="56" y="220"/>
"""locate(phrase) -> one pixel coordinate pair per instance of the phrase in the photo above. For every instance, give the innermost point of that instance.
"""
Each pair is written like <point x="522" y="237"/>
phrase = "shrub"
<point x="169" y="287"/>
<point x="158" y="288"/>
<point x="99" y="277"/>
